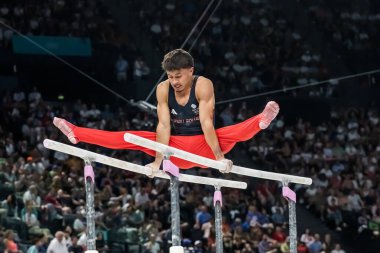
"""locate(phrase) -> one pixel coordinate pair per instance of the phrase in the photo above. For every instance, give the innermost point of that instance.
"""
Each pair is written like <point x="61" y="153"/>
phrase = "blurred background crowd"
<point x="328" y="132"/>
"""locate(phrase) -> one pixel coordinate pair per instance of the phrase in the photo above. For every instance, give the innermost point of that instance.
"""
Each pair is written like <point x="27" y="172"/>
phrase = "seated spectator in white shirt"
<point x="152" y="245"/>
<point x="337" y="249"/>
<point x="307" y="238"/>
<point x="57" y="245"/>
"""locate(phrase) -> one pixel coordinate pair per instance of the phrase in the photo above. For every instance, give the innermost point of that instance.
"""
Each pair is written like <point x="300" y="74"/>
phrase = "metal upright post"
<point x="175" y="212"/>
<point x="218" y="220"/>
<point x="90" y="210"/>
<point x="173" y="172"/>
<point x="291" y="198"/>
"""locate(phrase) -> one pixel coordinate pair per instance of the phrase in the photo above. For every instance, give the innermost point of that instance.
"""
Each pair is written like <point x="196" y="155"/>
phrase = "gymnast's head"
<point x="179" y="67"/>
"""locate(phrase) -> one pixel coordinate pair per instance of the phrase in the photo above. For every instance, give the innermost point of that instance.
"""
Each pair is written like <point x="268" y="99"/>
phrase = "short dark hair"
<point x="177" y="59"/>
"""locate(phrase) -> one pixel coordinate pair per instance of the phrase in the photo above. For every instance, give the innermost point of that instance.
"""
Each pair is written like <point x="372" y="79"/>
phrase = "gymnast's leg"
<point x="108" y="139"/>
<point x="228" y="136"/>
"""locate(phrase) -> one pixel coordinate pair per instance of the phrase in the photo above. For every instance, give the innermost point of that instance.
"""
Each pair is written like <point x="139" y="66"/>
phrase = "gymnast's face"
<point x="180" y="79"/>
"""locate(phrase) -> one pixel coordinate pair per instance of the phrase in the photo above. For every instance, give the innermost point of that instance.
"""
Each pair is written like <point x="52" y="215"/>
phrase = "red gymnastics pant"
<point x="228" y="136"/>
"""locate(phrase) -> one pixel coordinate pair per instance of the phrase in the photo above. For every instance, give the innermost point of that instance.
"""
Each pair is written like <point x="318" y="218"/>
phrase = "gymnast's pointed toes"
<point x="269" y="113"/>
<point x="56" y="121"/>
<point x="66" y="128"/>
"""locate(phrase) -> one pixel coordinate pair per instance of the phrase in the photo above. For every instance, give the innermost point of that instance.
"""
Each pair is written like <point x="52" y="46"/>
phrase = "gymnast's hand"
<point x="155" y="166"/>
<point x="228" y="167"/>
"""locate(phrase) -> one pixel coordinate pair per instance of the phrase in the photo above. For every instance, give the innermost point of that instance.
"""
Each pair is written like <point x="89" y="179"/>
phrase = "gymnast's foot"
<point x="66" y="128"/>
<point x="269" y="113"/>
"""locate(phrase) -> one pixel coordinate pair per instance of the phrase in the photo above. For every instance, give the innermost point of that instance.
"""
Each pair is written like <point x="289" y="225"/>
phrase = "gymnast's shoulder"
<point x="162" y="90"/>
<point x="163" y="85"/>
<point x="203" y="83"/>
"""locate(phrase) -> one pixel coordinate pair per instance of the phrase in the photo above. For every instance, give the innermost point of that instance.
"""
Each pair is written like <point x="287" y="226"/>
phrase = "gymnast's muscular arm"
<point x="163" y="126"/>
<point x="205" y="94"/>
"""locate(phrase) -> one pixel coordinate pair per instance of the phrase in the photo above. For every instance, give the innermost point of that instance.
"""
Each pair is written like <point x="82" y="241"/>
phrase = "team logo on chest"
<point x="194" y="108"/>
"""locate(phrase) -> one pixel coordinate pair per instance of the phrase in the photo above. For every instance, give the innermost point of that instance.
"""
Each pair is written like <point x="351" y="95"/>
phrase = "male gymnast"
<point x="185" y="110"/>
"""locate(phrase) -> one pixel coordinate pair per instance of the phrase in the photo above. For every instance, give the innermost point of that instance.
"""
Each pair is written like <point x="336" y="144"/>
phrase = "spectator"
<point x="75" y="248"/>
<point x="307" y="238"/>
<point x="141" y="70"/>
<point x="301" y="248"/>
<point x="9" y="243"/>
<point x="337" y="249"/>
<point x="327" y="244"/>
<point x="334" y="212"/>
<point x="9" y="207"/>
<point x="316" y="246"/>
<point x="82" y="241"/>
<point x="279" y="235"/>
<point x="67" y="236"/>
<point x="55" y="209"/>
<point x="121" y="68"/>
<point x="278" y="216"/>
<point x="355" y="202"/>
<point x="34" y="97"/>
<point x="267" y="245"/>
<point x="152" y="246"/>
<point x="142" y="198"/>
<point x="31" y="195"/>
<point x="36" y="247"/>
<point x="58" y="244"/>
<point x="30" y="218"/>
<point x="79" y="224"/>
<point x="284" y="246"/>
<point x="202" y="216"/>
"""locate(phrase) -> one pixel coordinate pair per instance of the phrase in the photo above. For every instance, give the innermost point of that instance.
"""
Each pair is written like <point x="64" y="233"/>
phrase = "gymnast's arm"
<point x="163" y="126"/>
<point x="205" y="94"/>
